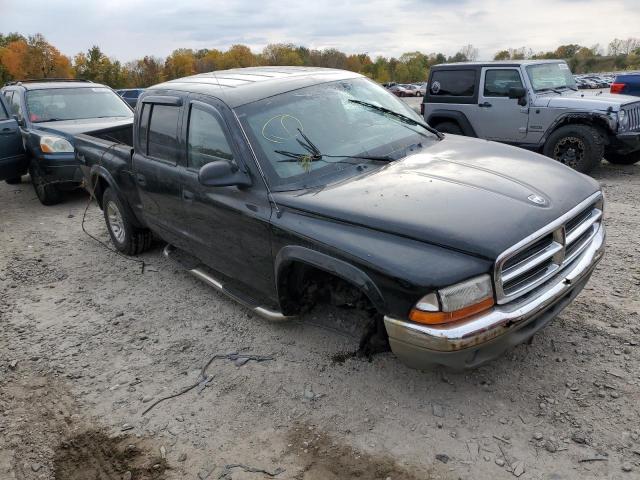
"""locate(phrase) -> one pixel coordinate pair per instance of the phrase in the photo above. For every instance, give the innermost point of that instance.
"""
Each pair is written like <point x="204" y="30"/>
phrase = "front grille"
<point x="539" y="258"/>
<point x="634" y="116"/>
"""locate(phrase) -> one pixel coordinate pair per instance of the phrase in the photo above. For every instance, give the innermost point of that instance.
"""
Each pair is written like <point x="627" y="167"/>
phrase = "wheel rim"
<point x="116" y="224"/>
<point x="570" y="151"/>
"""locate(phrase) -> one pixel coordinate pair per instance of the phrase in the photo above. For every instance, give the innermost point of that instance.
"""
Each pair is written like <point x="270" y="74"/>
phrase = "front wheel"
<point x="47" y="192"/>
<point x="623" y="159"/>
<point x="577" y="146"/>
<point x="124" y="235"/>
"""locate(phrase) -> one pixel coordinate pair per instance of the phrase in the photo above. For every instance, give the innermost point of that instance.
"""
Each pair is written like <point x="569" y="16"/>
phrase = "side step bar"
<point x="200" y="273"/>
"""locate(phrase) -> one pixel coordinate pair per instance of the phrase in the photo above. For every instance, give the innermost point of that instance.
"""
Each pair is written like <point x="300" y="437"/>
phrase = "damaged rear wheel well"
<point x="99" y="185"/>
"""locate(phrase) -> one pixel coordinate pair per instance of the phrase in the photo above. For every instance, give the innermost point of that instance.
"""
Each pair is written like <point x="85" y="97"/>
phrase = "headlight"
<point x="623" y="121"/>
<point x="454" y="303"/>
<point x="51" y="144"/>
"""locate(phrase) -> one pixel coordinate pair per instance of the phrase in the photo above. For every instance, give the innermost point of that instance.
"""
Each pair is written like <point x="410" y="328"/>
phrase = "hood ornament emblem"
<point x="537" y="199"/>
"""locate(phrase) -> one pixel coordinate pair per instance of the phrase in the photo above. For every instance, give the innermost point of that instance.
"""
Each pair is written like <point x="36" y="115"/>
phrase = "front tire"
<point x="577" y="146"/>
<point x="449" y="127"/>
<point x="124" y="235"/>
<point x="47" y="192"/>
<point x="622" y="159"/>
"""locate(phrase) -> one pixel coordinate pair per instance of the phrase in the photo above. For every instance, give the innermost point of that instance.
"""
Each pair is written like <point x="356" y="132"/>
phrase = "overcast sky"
<point x="134" y="28"/>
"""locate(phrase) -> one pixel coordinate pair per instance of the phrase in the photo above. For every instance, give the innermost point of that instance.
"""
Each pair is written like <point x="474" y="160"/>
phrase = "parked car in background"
<point x="400" y="91"/>
<point x="626" y="84"/>
<point x="286" y="188"/>
<point x="130" y="95"/>
<point x="534" y="104"/>
<point x="49" y="113"/>
<point x="422" y="88"/>
<point x="412" y="90"/>
<point x="11" y="148"/>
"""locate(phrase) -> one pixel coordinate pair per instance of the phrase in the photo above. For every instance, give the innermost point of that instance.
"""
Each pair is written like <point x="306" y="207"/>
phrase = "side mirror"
<point x="20" y="121"/>
<point x="520" y="94"/>
<point x="222" y="173"/>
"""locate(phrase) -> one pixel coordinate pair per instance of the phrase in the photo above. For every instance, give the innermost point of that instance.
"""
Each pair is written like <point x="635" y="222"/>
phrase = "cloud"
<point x="133" y="28"/>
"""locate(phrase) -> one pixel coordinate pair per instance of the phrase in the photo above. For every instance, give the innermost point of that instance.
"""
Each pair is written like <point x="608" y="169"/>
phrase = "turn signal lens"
<point x="438" y="318"/>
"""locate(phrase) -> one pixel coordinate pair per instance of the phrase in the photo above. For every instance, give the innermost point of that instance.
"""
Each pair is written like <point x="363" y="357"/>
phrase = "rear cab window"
<point x="162" y="136"/>
<point x="453" y="83"/>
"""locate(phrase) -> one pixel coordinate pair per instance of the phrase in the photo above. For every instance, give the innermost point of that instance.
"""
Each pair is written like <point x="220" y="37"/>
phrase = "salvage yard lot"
<point x="89" y="341"/>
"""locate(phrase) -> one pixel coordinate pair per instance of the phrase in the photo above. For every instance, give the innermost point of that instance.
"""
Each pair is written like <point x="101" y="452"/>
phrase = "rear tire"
<point x="578" y="146"/>
<point x="449" y="127"/>
<point x="47" y="192"/>
<point x="622" y="159"/>
<point x="124" y="235"/>
<point x="14" y="181"/>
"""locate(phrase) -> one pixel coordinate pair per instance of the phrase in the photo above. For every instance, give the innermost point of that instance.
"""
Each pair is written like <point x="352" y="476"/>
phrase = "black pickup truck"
<point x="285" y="187"/>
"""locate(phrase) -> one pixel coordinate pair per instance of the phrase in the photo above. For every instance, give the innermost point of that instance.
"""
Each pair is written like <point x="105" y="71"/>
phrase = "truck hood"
<point x="578" y="101"/>
<point x="69" y="128"/>
<point x="465" y="194"/>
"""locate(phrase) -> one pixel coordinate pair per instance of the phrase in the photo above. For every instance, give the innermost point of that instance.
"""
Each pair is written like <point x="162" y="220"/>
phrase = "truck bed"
<point x="108" y="151"/>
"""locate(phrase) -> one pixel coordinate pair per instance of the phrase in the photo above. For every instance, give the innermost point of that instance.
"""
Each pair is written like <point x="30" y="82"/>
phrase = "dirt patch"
<point x="96" y="456"/>
<point x="325" y="459"/>
<point x="33" y="271"/>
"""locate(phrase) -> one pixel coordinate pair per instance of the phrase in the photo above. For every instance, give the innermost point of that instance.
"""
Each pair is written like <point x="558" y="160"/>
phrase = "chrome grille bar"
<point x="542" y="255"/>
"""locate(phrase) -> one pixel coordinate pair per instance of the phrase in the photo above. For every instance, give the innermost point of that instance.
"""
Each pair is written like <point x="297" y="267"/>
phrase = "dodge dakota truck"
<point x="285" y="187"/>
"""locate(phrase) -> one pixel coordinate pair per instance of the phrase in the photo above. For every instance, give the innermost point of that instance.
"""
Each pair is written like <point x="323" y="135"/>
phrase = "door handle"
<point x="187" y="195"/>
<point x="141" y="179"/>
<point x="484" y="105"/>
<point x="7" y="131"/>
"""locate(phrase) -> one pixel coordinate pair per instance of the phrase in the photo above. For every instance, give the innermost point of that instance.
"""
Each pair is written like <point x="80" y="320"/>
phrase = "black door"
<point x="228" y="227"/>
<point x="158" y="161"/>
<point x="13" y="161"/>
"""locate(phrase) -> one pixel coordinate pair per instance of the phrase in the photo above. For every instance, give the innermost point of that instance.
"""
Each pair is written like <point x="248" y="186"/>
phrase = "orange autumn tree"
<point x="33" y="57"/>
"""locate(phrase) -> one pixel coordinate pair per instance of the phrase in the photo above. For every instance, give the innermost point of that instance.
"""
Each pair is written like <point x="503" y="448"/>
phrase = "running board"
<point x="200" y="273"/>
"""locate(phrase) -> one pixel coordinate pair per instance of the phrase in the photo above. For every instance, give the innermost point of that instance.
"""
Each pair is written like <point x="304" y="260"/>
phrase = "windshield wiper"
<point x="315" y="155"/>
<point x="549" y="89"/>
<point x="399" y="116"/>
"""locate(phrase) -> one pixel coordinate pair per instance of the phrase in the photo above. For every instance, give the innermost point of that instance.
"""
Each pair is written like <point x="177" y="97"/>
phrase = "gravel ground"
<point x="88" y="342"/>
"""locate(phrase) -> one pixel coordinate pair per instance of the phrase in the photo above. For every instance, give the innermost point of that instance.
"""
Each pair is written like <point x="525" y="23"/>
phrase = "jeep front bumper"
<point x="472" y="342"/>
<point x="628" y="142"/>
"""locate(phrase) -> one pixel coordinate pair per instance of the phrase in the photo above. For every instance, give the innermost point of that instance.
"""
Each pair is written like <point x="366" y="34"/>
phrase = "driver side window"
<point x="498" y="82"/>
<point x="207" y="141"/>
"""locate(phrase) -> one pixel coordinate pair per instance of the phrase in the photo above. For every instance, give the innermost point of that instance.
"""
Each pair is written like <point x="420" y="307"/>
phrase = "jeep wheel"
<point x="14" y="181"/>
<point x="622" y="159"/>
<point x="125" y="237"/>
<point x="449" y="127"/>
<point x="47" y="192"/>
<point x="577" y="146"/>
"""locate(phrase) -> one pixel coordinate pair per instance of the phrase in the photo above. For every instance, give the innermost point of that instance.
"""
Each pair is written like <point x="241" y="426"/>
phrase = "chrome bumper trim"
<point x="500" y="320"/>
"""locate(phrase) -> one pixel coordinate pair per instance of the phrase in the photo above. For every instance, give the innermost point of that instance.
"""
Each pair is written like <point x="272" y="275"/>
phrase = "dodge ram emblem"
<point x="537" y="199"/>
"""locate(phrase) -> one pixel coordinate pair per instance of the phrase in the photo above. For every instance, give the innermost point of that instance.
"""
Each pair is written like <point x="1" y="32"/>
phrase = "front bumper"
<point x="60" y="167"/>
<point x="485" y="336"/>
<point x="628" y="142"/>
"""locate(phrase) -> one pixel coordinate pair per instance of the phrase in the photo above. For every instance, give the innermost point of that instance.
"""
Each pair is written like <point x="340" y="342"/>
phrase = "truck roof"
<point x="53" y="83"/>
<point x="240" y="86"/>
<point x="498" y="63"/>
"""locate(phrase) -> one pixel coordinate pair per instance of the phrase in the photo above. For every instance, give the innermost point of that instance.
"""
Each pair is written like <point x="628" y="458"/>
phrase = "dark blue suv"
<point x="38" y="120"/>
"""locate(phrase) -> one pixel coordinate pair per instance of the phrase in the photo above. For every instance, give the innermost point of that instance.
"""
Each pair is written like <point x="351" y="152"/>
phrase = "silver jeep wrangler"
<point x="534" y="104"/>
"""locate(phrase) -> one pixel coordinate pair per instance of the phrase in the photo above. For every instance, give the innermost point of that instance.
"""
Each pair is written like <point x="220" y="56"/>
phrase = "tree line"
<point x="33" y="57"/>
